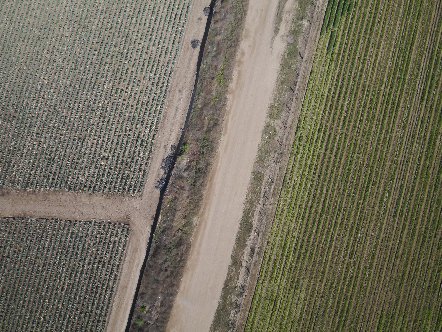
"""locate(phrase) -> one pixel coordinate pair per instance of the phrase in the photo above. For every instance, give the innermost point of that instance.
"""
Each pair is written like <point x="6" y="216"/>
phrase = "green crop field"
<point x="82" y="90"/>
<point x="58" y="275"/>
<point x="356" y="240"/>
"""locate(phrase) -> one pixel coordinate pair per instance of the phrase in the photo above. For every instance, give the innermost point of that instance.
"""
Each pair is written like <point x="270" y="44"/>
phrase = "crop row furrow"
<point x="294" y="191"/>
<point x="355" y="236"/>
<point x="83" y="92"/>
<point x="401" y="182"/>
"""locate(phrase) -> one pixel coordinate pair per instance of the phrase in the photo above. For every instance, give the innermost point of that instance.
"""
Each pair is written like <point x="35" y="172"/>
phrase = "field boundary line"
<point x="188" y="176"/>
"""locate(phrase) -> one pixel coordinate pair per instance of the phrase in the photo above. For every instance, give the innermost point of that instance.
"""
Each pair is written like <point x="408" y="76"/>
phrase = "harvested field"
<point x="83" y="86"/>
<point x="355" y="241"/>
<point x="59" y="275"/>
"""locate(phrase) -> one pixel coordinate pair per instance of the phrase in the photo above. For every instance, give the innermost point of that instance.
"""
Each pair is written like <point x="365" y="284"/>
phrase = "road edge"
<point x="264" y="189"/>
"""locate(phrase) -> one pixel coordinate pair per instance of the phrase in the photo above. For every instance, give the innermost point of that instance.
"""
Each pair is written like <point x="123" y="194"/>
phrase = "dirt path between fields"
<point x="138" y="212"/>
<point x="250" y="95"/>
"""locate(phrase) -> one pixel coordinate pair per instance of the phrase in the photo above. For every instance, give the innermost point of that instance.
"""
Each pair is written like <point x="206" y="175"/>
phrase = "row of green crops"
<point x="58" y="275"/>
<point x="82" y="91"/>
<point x="355" y="242"/>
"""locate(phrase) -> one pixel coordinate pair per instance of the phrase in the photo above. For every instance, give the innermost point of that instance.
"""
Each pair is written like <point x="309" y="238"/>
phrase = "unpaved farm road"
<point x="250" y="94"/>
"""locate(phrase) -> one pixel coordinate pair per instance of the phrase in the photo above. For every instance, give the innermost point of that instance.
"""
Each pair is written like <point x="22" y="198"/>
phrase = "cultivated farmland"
<point x="355" y="242"/>
<point x="59" y="275"/>
<point x="93" y="98"/>
<point x="82" y="91"/>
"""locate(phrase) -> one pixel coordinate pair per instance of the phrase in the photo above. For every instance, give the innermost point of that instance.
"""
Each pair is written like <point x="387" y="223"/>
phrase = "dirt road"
<point x="250" y="95"/>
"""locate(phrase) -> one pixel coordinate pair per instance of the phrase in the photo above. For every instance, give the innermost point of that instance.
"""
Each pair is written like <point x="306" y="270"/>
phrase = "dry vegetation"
<point x="172" y="240"/>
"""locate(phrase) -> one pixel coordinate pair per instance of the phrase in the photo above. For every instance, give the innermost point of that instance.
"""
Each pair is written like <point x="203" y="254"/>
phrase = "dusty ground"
<point x="250" y="95"/>
<point x="138" y="212"/>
